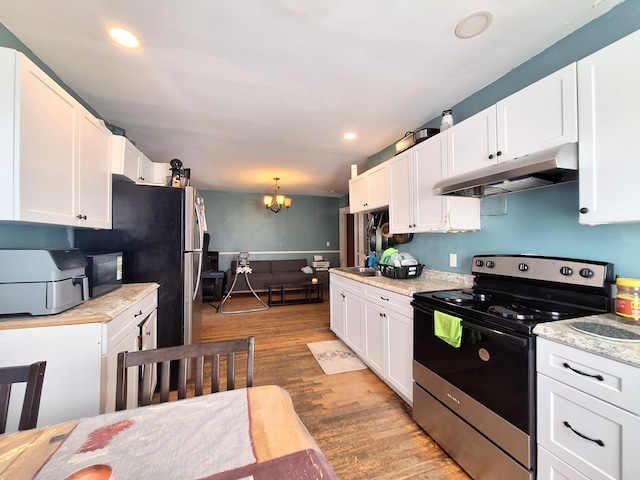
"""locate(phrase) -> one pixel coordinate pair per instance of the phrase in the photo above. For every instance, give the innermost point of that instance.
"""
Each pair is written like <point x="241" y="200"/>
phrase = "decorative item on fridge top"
<point x="447" y="120"/>
<point x="412" y="138"/>
<point x="176" y="172"/>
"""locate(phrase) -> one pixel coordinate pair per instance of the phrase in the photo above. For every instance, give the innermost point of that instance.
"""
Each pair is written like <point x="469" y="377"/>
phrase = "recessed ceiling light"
<point x="474" y="24"/>
<point x="124" y="37"/>
<point x="350" y="136"/>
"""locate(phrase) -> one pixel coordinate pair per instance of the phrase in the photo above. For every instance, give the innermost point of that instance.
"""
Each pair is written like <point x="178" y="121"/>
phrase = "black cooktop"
<point x="514" y="313"/>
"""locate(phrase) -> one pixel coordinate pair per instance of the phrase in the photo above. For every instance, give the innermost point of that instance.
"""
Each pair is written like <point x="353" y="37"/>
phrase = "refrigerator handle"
<point x="197" y="286"/>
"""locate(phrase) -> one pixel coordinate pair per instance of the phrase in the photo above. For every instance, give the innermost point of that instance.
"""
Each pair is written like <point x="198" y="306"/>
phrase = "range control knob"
<point x="586" y="273"/>
<point x="566" y="271"/>
<point x="479" y="263"/>
<point x="490" y="264"/>
<point x="523" y="267"/>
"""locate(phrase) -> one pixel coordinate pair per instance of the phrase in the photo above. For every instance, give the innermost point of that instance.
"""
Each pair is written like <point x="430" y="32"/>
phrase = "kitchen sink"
<point x="362" y="271"/>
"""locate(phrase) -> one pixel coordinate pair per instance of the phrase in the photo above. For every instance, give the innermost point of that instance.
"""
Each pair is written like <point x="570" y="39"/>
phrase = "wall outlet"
<point x="328" y="244"/>
<point x="453" y="260"/>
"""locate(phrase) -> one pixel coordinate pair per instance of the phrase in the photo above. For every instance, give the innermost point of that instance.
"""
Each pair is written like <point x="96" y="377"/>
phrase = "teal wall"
<point x="240" y="222"/>
<point x="542" y="221"/>
<point x="14" y="235"/>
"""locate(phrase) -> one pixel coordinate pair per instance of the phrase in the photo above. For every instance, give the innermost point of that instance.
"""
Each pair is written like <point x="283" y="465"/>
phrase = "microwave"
<point x="104" y="271"/>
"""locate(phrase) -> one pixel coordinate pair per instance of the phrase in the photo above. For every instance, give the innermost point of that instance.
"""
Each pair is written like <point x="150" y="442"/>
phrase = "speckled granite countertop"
<point x="429" y="281"/>
<point x="623" y="351"/>
<point x="97" y="310"/>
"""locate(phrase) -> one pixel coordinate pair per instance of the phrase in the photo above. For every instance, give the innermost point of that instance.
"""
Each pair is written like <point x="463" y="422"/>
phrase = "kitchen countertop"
<point x="429" y="281"/>
<point x="97" y="310"/>
<point x="622" y="351"/>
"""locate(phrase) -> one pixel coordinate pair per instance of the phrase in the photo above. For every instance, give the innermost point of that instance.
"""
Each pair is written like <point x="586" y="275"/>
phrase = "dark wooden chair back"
<point x="182" y="355"/>
<point x="33" y="375"/>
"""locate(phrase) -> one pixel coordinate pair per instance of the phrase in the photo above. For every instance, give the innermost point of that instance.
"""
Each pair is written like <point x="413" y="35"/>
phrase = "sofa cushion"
<point x="284" y="278"/>
<point x="294" y="265"/>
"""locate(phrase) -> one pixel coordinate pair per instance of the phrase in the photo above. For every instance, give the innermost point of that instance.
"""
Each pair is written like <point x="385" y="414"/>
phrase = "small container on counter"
<point x="628" y="300"/>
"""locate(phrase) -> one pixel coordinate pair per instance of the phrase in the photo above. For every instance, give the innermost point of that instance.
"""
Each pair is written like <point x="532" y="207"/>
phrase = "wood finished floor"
<point x="364" y="429"/>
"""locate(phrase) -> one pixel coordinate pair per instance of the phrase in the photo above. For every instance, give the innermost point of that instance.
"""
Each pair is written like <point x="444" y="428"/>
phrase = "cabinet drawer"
<point x="571" y="423"/>
<point x="612" y="381"/>
<point x="117" y="329"/>
<point x="552" y="468"/>
<point x="343" y="283"/>
<point x="394" y="301"/>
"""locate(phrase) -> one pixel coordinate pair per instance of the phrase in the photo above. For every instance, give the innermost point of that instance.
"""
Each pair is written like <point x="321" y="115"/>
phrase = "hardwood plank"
<point x="364" y="428"/>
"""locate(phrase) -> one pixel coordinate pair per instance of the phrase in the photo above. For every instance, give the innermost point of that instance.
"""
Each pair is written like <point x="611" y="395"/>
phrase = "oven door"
<point x="488" y="380"/>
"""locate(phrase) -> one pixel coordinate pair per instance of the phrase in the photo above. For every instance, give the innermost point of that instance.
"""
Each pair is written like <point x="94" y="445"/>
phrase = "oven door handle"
<point x="503" y="336"/>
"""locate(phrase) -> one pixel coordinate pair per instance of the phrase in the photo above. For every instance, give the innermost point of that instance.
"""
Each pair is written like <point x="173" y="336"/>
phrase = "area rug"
<point x="334" y="357"/>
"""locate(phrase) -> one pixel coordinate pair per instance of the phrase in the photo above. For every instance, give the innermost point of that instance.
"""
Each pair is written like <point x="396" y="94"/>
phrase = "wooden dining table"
<point x="245" y="433"/>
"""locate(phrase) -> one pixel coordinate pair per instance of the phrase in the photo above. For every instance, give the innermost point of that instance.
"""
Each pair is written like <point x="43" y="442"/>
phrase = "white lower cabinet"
<point x="124" y="333"/>
<point x="80" y="377"/>
<point x="378" y="326"/>
<point x="374" y="323"/>
<point x="353" y="322"/>
<point x="588" y="415"/>
<point x="399" y="367"/>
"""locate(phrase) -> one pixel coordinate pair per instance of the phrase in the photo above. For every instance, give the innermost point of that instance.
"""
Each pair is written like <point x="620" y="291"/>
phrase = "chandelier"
<point x="277" y="201"/>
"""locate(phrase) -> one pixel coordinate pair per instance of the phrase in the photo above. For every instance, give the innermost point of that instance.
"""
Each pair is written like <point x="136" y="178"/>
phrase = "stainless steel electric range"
<point x="474" y="355"/>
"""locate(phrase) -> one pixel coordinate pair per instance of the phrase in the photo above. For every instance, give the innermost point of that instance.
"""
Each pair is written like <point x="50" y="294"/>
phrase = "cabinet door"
<point x="399" y="338"/>
<point x="358" y="193"/>
<point x="149" y="341"/>
<point x="94" y="173"/>
<point x="108" y="380"/>
<point x="609" y="150"/>
<point x="378" y="187"/>
<point x="46" y="122"/>
<point x="354" y="333"/>
<point x="401" y="193"/>
<point x="145" y="169"/>
<point x="594" y="437"/>
<point x="429" y="161"/>
<point x="338" y="305"/>
<point x="540" y="116"/>
<point x="374" y="322"/>
<point x="472" y="143"/>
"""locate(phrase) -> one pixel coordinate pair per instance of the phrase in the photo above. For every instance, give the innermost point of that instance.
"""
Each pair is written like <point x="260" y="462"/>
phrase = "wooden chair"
<point x="33" y="375"/>
<point x="182" y="355"/>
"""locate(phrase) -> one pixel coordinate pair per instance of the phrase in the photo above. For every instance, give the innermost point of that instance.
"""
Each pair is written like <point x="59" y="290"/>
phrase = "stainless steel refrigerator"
<point x="160" y="231"/>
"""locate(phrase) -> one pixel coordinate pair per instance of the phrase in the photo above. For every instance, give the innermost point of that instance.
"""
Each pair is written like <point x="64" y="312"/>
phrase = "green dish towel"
<point x="448" y="328"/>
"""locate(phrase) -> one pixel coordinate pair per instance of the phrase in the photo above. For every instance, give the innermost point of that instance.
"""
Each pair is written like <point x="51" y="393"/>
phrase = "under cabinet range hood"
<point x="547" y="167"/>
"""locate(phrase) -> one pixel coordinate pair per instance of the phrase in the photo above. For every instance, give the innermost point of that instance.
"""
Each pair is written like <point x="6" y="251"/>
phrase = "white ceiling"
<point x="244" y="91"/>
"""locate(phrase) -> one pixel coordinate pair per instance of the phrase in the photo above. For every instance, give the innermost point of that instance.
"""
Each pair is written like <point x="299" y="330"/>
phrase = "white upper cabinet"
<point x="472" y="143"/>
<point x="609" y="124"/>
<point x="49" y="145"/>
<point x="540" y="116"/>
<point x="94" y="172"/>
<point x="413" y="207"/>
<point x="369" y="191"/>
<point x="128" y="161"/>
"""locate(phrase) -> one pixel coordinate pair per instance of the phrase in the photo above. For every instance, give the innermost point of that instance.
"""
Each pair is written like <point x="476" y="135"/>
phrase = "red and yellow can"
<point x="628" y="299"/>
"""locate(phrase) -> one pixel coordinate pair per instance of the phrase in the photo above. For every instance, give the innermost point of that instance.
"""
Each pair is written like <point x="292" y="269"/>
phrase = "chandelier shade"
<point x="277" y="201"/>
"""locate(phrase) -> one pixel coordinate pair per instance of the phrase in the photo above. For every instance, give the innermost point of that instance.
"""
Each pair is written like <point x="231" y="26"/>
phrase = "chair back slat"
<point x="199" y="376"/>
<point x="231" y="370"/>
<point x="33" y="375"/>
<point x="215" y="373"/>
<point x="185" y="356"/>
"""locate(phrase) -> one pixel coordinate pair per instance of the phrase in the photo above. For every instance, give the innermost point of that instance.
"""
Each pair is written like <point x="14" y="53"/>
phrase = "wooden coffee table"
<point x="312" y="293"/>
